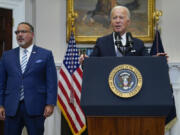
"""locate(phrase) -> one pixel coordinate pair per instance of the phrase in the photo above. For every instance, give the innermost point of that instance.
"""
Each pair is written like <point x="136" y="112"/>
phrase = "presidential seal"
<point x="125" y="81"/>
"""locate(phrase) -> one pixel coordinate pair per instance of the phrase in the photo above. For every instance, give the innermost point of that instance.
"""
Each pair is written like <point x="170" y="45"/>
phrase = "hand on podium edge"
<point x="82" y="57"/>
<point x="163" y="54"/>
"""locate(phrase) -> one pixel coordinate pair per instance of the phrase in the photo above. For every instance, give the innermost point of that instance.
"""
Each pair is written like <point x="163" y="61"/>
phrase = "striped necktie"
<point x="23" y="67"/>
<point x="24" y="61"/>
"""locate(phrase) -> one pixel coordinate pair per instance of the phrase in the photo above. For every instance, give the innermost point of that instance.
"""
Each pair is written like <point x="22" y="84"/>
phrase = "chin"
<point x="118" y="30"/>
<point x="21" y="44"/>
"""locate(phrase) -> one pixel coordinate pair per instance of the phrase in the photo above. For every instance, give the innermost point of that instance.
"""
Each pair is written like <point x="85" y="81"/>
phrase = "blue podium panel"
<point x="154" y="99"/>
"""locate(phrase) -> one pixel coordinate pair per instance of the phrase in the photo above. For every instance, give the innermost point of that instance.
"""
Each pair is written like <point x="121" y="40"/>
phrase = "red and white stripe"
<point x="72" y="111"/>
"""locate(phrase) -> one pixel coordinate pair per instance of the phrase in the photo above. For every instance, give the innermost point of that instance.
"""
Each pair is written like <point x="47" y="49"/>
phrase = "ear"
<point x="129" y="22"/>
<point x="33" y="34"/>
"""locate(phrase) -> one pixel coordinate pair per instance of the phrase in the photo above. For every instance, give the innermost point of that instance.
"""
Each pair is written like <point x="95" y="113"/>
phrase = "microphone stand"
<point x="130" y="42"/>
<point x="118" y="43"/>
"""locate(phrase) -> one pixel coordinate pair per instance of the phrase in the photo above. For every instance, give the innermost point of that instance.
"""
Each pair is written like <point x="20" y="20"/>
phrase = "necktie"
<point x="119" y="48"/>
<point x="24" y="61"/>
<point x="23" y="67"/>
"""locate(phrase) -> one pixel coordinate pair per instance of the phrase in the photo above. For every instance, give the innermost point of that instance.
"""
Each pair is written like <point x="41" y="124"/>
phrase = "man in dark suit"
<point x="106" y="46"/>
<point x="28" y="85"/>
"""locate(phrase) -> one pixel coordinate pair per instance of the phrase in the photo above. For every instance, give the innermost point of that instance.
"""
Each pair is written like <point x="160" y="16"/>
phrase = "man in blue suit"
<point x="28" y="85"/>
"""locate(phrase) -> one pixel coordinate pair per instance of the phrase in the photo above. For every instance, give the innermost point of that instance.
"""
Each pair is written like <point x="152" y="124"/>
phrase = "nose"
<point x="20" y="34"/>
<point x="118" y="20"/>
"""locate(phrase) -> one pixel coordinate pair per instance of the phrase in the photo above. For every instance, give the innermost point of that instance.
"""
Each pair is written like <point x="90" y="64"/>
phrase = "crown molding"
<point x="9" y="3"/>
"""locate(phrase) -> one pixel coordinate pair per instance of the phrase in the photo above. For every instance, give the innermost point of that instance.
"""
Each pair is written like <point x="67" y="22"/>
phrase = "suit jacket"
<point x="105" y="47"/>
<point x="39" y="81"/>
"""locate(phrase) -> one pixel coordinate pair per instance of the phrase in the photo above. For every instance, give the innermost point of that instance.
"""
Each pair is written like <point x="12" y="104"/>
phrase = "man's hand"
<point x="48" y="110"/>
<point x="2" y="113"/>
<point x="163" y="54"/>
<point x="81" y="58"/>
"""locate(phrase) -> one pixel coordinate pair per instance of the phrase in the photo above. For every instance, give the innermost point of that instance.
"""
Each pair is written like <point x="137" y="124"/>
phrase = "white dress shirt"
<point x="21" y="51"/>
<point x="123" y="40"/>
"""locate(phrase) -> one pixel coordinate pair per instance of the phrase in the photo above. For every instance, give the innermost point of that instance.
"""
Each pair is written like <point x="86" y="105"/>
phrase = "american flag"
<point x="69" y="91"/>
<point x="157" y="46"/>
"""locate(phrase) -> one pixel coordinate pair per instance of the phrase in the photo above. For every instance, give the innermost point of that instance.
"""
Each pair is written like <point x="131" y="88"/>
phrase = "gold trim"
<point x="157" y="14"/>
<point x="132" y="92"/>
<point x="92" y="39"/>
<point x="69" y="123"/>
<point x="170" y="124"/>
<point x="71" y="17"/>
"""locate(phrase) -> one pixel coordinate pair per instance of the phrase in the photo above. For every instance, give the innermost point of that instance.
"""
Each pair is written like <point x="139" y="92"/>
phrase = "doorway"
<point x="5" y="39"/>
<point x="5" y="30"/>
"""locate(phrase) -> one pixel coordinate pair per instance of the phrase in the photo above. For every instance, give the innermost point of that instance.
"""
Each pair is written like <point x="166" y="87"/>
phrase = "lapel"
<point x="111" y="47"/>
<point x="31" y="59"/>
<point x="17" y="60"/>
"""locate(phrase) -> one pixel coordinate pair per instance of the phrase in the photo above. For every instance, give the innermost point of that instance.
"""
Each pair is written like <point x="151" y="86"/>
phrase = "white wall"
<point x="51" y="26"/>
<point x="170" y="28"/>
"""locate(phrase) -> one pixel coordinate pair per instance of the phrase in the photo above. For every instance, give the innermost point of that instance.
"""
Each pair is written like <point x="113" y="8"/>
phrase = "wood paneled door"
<point x="5" y="39"/>
<point x="5" y="29"/>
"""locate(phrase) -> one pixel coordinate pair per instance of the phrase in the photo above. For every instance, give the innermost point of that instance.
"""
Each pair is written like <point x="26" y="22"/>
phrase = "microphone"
<point x="118" y="39"/>
<point x="118" y="42"/>
<point x="130" y="41"/>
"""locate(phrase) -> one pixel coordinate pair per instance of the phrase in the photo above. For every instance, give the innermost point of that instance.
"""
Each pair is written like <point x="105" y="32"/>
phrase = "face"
<point x="119" y="20"/>
<point x="24" y="35"/>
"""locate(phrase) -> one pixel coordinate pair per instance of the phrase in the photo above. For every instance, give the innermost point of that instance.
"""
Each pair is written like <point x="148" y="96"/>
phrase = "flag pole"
<point x="72" y="35"/>
<point x="157" y="14"/>
<point x="71" y="88"/>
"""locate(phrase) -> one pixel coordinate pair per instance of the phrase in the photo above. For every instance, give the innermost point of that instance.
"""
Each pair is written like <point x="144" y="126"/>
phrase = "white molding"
<point x="14" y="0"/>
<point x="174" y="66"/>
<point x="58" y="65"/>
<point x="9" y="3"/>
<point x="174" y="74"/>
<point x="176" y="86"/>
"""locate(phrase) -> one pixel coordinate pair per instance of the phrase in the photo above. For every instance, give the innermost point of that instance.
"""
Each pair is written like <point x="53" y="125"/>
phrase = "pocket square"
<point x="39" y="61"/>
<point x="133" y="51"/>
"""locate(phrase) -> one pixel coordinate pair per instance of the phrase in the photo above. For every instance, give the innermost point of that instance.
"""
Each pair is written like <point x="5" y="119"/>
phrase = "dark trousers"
<point x="15" y="124"/>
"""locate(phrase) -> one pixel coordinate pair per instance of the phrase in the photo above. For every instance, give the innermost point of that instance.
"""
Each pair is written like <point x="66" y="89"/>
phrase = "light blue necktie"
<point x="23" y="67"/>
<point x="24" y="60"/>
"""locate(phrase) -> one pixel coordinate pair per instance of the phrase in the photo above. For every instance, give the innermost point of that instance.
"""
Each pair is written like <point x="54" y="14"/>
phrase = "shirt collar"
<point x="29" y="49"/>
<point x="123" y="38"/>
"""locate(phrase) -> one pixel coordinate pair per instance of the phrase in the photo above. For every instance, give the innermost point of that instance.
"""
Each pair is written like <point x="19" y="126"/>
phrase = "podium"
<point x="142" y="114"/>
<point x="1" y="127"/>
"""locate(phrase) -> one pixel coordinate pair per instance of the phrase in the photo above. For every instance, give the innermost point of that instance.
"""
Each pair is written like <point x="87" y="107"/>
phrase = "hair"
<point x="121" y="7"/>
<point x="30" y="26"/>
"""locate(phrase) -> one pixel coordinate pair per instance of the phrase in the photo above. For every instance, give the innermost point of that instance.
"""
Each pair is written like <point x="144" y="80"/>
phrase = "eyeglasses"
<point x="21" y="31"/>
